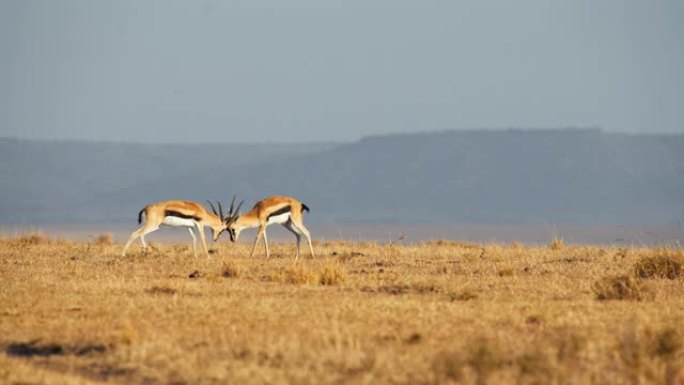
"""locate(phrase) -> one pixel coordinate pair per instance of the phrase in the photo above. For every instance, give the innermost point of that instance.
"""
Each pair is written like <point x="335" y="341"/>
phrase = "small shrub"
<point x="231" y="269"/>
<point x="667" y="343"/>
<point x="665" y="263"/>
<point x="620" y="287"/>
<point x="556" y="244"/>
<point x="104" y="239"/>
<point x="332" y="274"/>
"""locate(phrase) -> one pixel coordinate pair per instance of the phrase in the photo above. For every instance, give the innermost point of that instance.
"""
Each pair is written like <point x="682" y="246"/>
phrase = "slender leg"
<point x="134" y="235"/>
<point x="266" y="243"/>
<point x="303" y="230"/>
<point x="204" y="240"/>
<point x="139" y="233"/>
<point x="194" y="241"/>
<point x="288" y="225"/>
<point x="145" y="232"/>
<point x="256" y="240"/>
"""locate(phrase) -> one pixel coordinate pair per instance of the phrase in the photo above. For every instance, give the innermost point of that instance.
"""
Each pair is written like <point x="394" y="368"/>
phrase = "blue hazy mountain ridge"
<point x="574" y="176"/>
<point x="491" y="177"/>
<point x="76" y="182"/>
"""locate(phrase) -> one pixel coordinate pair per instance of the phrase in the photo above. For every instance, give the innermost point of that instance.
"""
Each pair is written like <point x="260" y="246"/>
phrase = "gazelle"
<point x="180" y="214"/>
<point x="276" y="209"/>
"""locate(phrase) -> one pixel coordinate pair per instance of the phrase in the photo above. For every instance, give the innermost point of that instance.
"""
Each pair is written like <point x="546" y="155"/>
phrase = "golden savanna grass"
<point x="437" y="312"/>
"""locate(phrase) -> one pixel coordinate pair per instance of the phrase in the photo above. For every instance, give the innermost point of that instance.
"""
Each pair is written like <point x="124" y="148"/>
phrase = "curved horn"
<point x="212" y="207"/>
<point x="237" y="211"/>
<point x="230" y="212"/>
<point x="220" y="209"/>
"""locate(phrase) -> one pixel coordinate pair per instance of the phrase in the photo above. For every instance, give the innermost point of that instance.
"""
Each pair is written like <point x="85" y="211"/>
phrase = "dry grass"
<point x="104" y="239"/>
<point x="432" y="313"/>
<point x="620" y="287"/>
<point x="232" y="269"/>
<point x="332" y="273"/>
<point x="664" y="263"/>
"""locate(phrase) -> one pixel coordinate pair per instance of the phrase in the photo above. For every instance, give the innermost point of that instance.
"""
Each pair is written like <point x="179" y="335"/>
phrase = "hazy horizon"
<point x="201" y="72"/>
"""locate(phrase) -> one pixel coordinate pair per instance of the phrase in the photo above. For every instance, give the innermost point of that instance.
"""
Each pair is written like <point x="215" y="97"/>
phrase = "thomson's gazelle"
<point x="180" y="214"/>
<point x="276" y="209"/>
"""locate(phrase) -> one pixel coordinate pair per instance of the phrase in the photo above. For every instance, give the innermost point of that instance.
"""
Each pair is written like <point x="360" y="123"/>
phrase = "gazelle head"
<point x="222" y="226"/>
<point x="231" y="221"/>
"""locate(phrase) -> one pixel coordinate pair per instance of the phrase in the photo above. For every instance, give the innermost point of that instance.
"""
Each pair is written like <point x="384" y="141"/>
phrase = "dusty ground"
<point x="428" y="313"/>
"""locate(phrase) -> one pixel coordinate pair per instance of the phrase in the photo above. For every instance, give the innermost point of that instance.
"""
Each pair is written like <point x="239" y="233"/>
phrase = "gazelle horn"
<point x="237" y="211"/>
<point x="212" y="207"/>
<point x="220" y="209"/>
<point x="232" y="203"/>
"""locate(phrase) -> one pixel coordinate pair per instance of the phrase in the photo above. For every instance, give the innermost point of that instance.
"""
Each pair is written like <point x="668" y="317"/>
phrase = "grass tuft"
<point x="231" y="269"/>
<point x="332" y="274"/>
<point x="620" y="287"/>
<point x="104" y="239"/>
<point x="664" y="263"/>
<point x="300" y="275"/>
<point x="557" y="244"/>
<point x="668" y="342"/>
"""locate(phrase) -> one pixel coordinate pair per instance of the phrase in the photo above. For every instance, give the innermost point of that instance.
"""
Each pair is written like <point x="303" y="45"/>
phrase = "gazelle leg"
<point x="134" y="235"/>
<point x="139" y="233"/>
<point x="288" y="225"/>
<point x="266" y="243"/>
<point x="303" y="230"/>
<point x="145" y="232"/>
<point x="256" y="240"/>
<point x="194" y="241"/>
<point x="204" y="239"/>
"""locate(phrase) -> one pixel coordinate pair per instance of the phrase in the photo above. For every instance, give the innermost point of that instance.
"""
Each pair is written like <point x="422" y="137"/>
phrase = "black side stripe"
<point x="171" y="213"/>
<point x="284" y="210"/>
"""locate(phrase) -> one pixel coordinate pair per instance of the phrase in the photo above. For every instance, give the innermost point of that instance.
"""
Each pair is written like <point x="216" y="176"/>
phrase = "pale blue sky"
<point x="198" y="71"/>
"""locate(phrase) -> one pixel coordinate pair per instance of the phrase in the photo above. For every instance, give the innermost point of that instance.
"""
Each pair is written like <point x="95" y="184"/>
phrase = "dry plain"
<point x="437" y="312"/>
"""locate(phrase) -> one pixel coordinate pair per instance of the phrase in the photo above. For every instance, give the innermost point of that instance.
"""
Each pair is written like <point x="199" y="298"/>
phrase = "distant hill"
<point x="489" y="177"/>
<point x="74" y="182"/>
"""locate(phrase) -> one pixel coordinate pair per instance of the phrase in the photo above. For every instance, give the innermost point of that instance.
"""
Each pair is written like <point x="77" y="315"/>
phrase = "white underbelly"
<point x="280" y="219"/>
<point x="178" y="222"/>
